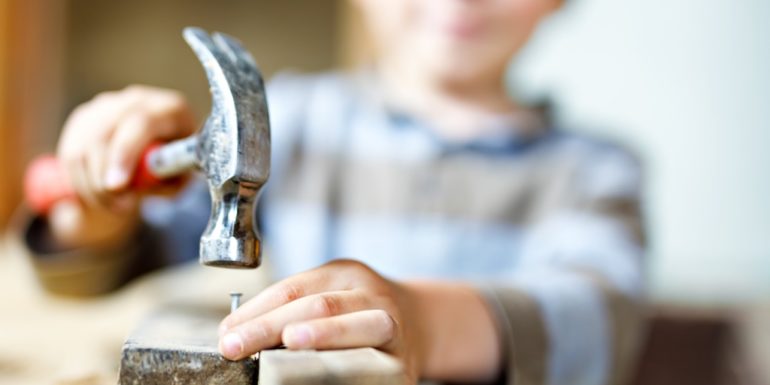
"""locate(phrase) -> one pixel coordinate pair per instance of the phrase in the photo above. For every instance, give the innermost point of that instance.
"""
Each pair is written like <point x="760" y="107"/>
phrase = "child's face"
<point x="461" y="40"/>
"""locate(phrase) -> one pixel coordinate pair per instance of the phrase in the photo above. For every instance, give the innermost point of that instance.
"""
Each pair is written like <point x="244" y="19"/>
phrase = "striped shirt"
<point x="546" y="224"/>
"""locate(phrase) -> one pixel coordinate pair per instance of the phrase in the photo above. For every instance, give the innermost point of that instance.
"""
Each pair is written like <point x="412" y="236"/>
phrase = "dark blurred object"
<point x="695" y="346"/>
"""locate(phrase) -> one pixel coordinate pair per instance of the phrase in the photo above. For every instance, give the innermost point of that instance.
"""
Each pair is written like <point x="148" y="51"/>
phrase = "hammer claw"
<point x="234" y="50"/>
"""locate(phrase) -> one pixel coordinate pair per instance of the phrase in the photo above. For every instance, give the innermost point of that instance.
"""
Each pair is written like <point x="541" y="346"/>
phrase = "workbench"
<point x="51" y="340"/>
<point x="48" y="340"/>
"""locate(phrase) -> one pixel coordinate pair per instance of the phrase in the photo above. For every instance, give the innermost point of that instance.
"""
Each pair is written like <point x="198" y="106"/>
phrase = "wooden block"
<point x="179" y="346"/>
<point x="339" y="367"/>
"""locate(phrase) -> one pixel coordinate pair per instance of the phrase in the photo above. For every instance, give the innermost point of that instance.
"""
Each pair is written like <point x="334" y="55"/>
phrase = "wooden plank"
<point x="364" y="366"/>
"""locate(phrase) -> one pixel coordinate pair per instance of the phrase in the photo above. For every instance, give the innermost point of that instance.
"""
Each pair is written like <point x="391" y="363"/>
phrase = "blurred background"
<point x="686" y="84"/>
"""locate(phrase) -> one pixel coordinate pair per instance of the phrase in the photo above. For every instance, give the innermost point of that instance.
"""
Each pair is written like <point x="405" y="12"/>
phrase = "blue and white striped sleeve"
<point x="570" y="314"/>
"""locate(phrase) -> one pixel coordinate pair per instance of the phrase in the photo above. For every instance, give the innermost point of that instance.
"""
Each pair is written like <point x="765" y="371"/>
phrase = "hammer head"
<point x="233" y="149"/>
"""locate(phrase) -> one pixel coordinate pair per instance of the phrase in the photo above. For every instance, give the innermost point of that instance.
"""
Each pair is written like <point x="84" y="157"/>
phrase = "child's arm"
<point x="571" y="313"/>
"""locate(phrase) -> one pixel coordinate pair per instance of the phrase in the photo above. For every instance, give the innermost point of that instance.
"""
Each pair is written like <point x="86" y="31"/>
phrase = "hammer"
<point x="232" y="149"/>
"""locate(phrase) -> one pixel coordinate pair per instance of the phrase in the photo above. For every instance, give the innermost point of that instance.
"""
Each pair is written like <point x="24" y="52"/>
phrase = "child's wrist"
<point x="456" y="334"/>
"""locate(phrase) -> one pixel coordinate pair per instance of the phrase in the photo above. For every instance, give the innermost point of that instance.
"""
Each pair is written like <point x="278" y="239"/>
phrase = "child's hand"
<point x="99" y="149"/>
<point x="343" y="304"/>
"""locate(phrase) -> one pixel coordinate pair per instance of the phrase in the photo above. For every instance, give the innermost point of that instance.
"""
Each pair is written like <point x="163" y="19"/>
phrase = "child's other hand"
<point x="99" y="149"/>
<point x="343" y="304"/>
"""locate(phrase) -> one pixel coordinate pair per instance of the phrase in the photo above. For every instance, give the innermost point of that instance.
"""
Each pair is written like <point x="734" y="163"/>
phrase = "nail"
<point x="298" y="336"/>
<point x="235" y="301"/>
<point x="231" y="346"/>
<point x="116" y="177"/>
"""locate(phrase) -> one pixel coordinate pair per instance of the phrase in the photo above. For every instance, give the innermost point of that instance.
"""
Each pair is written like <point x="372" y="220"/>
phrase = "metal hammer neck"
<point x="174" y="158"/>
<point x="231" y="238"/>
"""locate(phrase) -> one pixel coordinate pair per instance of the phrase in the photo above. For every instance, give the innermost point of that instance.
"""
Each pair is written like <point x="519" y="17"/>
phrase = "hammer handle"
<point x="45" y="182"/>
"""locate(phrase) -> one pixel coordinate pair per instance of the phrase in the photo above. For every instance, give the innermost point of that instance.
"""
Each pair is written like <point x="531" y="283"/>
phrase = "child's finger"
<point x="291" y="289"/>
<point x="79" y="176"/>
<point x="161" y="116"/>
<point x="131" y="136"/>
<point x="93" y="122"/>
<point x="367" y="328"/>
<point x="312" y="306"/>
<point x="265" y="331"/>
<point x="94" y="165"/>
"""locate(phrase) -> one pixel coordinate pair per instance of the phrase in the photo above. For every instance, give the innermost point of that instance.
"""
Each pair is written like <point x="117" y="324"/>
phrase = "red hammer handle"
<point x="45" y="182"/>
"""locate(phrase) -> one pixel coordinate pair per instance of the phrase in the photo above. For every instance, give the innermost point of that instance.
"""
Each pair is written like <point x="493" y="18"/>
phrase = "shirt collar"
<point x="501" y="134"/>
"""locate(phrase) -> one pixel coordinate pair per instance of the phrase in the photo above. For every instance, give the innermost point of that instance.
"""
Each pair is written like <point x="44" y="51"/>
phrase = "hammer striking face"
<point x="232" y="149"/>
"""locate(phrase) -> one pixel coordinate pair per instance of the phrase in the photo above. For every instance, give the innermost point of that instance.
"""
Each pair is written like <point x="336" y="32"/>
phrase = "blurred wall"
<point x="687" y="84"/>
<point x="7" y="196"/>
<point x="115" y="43"/>
<point x="31" y="34"/>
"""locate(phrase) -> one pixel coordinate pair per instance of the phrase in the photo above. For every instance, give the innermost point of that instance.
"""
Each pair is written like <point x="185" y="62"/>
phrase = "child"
<point x="487" y="245"/>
